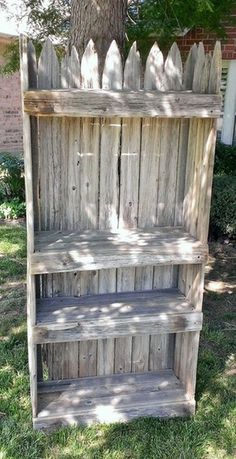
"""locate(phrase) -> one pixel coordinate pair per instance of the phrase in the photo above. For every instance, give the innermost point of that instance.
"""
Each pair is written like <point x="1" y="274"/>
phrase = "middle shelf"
<point x="57" y="251"/>
<point x="63" y="319"/>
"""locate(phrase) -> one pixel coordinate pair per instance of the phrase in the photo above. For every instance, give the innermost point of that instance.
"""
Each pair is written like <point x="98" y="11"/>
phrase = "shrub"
<point x="12" y="209"/>
<point x="225" y="159"/>
<point x="11" y="178"/>
<point x="223" y="208"/>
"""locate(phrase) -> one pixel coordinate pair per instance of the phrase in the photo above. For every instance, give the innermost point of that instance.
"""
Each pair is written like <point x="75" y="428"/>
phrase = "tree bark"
<point x="101" y="20"/>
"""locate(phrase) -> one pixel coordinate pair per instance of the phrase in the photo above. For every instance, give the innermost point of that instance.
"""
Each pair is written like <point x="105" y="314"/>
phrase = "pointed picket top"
<point x="132" y="69"/>
<point x="65" y="71"/>
<point x="112" y="73"/>
<point x="32" y="65"/>
<point x="189" y="67"/>
<point x="173" y="69"/>
<point x="89" y="67"/>
<point x="74" y="69"/>
<point x="216" y="70"/>
<point x="206" y="74"/>
<point x="153" y="77"/>
<point x="199" y="68"/>
<point x="48" y="67"/>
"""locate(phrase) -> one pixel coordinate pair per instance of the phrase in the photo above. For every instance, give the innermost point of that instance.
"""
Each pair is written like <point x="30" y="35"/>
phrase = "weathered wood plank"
<point x="85" y="330"/>
<point x="26" y="74"/>
<point x="136" y="104"/>
<point x="165" y="206"/>
<point x="89" y="190"/>
<point x="173" y="71"/>
<point x="109" y="191"/>
<point x="131" y="248"/>
<point x="89" y="317"/>
<point x="128" y="198"/>
<point x="125" y="397"/>
<point x="202" y="138"/>
<point x="167" y="410"/>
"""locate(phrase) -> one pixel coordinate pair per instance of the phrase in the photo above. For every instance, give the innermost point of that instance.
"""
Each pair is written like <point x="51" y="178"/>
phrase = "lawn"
<point x="210" y="434"/>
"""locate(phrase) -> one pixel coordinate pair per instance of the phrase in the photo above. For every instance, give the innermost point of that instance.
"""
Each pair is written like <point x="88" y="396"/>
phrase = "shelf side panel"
<point x="196" y="206"/>
<point x="27" y="72"/>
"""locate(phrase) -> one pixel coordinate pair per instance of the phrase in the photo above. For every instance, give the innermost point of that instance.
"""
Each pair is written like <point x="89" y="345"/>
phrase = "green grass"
<point x="210" y="434"/>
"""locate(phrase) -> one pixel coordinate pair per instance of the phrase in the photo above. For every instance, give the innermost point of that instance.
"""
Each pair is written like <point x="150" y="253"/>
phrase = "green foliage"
<point x="223" y="208"/>
<point x="225" y="159"/>
<point x="12" y="209"/>
<point x="12" y="58"/>
<point x="11" y="177"/>
<point x="49" y="19"/>
<point x="163" y="20"/>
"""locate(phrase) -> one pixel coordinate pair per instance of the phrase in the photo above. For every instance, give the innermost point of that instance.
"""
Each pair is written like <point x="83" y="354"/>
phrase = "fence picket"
<point x="189" y="67"/>
<point x="216" y="70"/>
<point x="173" y="69"/>
<point x="154" y="71"/>
<point x="109" y="192"/>
<point x="89" y="171"/>
<point x="128" y="206"/>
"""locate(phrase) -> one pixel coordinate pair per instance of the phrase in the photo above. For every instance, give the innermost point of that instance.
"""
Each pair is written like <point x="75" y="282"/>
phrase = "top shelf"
<point x="90" y="250"/>
<point x="108" y="103"/>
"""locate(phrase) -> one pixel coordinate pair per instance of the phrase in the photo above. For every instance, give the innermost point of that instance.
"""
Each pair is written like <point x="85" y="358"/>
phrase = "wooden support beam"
<point x="107" y="103"/>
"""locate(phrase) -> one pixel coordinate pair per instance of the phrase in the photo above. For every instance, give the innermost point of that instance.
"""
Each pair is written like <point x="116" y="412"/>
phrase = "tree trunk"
<point x="101" y="20"/>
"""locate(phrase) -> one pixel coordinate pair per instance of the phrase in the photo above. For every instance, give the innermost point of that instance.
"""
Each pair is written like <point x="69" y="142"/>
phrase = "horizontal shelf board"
<point x="93" y="103"/>
<point x="111" y="399"/>
<point x="63" y="319"/>
<point x="90" y="250"/>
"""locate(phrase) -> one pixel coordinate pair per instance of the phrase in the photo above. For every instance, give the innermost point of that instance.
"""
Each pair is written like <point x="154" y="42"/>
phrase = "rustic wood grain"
<point x="109" y="191"/>
<point x="27" y="74"/>
<point x="135" y="104"/>
<point x="128" y="201"/>
<point x="158" y="394"/>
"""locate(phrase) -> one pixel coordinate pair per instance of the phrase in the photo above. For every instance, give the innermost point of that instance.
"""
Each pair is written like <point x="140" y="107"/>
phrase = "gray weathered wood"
<point x="173" y="71"/>
<point x="109" y="190"/>
<point x="128" y="199"/>
<point x="152" y="321"/>
<point x="78" y="251"/>
<point x="112" y="199"/>
<point x="202" y="138"/>
<point x="89" y="190"/>
<point x="31" y="303"/>
<point x="125" y="397"/>
<point x="216" y="70"/>
<point x="116" y="103"/>
<point x="154" y="70"/>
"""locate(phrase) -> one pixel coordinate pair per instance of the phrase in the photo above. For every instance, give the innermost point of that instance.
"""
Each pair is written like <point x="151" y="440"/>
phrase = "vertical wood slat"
<point x="70" y="197"/>
<point x="199" y="171"/>
<point x="161" y="346"/>
<point x="109" y="191"/>
<point x="149" y="167"/>
<point x="31" y="293"/>
<point x="89" y="173"/>
<point x="187" y="275"/>
<point x="125" y="360"/>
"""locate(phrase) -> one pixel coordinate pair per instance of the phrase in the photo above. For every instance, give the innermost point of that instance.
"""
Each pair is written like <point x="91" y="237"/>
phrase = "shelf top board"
<point x="138" y="104"/>
<point x="63" y="319"/>
<point x="57" y="251"/>
<point x="111" y="398"/>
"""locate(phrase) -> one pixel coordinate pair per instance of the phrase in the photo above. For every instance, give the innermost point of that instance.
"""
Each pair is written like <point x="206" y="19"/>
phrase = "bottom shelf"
<point x="107" y="399"/>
